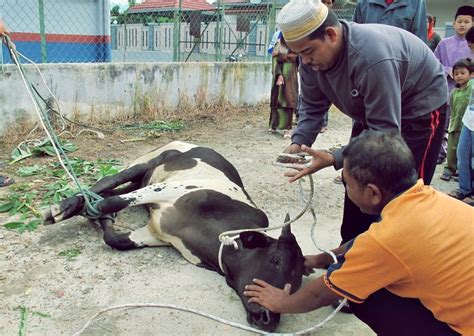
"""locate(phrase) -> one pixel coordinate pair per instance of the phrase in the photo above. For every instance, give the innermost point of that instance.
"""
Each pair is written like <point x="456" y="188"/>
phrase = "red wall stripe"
<point x="60" y="38"/>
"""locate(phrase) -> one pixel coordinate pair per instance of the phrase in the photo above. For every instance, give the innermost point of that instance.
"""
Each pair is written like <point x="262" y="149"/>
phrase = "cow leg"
<point x="136" y="174"/>
<point x="153" y="194"/>
<point x="141" y="237"/>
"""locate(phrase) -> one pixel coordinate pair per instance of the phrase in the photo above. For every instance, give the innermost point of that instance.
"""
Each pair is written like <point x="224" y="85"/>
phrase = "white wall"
<point x="102" y="91"/>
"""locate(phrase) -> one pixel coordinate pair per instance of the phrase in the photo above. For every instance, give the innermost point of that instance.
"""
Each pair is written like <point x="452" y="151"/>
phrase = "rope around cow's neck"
<point x="228" y="237"/>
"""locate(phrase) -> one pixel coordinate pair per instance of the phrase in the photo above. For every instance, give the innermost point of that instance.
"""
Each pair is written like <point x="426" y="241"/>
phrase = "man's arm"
<point x="310" y="297"/>
<point x="314" y="104"/>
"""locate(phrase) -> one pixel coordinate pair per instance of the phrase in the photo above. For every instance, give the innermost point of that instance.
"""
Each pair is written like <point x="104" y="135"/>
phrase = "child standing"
<point x="465" y="151"/>
<point x="452" y="49"/>
<point x="459" y="101"/>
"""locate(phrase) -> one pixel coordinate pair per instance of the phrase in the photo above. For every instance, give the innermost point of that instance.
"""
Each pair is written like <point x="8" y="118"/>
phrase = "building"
<point x="58" y="31"/>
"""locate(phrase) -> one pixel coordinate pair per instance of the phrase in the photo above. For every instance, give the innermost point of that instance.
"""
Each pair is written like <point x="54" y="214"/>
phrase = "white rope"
<point x="37" y="109"/>
<point x="210" y="316"/>
<point x="47" y="87"/>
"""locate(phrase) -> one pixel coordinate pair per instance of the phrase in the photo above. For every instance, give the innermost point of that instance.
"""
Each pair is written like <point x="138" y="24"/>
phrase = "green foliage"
<point x="55" y="186"/>
<point x="19" y="202"/>
<point x="25" y="224"/>
<point x="24" y="151"/>
<point x="115" y="11"/>
<point x="159" y="125"/>
<point x="30" y="170"/>
<point x="24" y="311"/>
<point x="70" y="254"/>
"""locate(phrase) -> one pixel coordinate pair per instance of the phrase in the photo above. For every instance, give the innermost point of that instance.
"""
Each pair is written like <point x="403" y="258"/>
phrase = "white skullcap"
<point x="299" y="18"/>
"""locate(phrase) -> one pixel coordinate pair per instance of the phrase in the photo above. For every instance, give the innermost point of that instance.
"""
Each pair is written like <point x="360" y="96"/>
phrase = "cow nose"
<point x="265" y="317"/>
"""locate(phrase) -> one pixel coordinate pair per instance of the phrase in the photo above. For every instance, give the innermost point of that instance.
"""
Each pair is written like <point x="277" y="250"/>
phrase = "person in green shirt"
<point x="460" y="95"/>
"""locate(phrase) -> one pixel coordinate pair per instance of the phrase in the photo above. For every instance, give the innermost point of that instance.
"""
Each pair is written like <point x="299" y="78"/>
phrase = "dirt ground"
<point x="61" y="294"/>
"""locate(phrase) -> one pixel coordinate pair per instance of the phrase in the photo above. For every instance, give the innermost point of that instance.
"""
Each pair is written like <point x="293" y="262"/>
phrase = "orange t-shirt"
<point x="423" y="248"/>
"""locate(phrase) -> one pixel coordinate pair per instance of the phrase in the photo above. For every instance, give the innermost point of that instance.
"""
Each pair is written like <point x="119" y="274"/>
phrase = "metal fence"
<point x="52" y="31"/>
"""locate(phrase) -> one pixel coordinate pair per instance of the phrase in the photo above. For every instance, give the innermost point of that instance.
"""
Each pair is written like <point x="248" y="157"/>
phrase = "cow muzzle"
<point x="262" y="318"/>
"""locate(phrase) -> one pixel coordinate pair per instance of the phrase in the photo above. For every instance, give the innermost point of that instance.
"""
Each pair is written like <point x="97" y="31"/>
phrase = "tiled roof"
<point x="151" y="5"/>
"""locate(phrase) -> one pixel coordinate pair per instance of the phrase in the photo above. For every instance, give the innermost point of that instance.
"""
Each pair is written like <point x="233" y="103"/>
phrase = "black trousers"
<point x="384" y="312"/>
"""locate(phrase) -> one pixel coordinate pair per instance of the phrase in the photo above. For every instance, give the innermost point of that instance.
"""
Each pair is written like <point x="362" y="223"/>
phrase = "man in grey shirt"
<point x="409" y="15"/>
<point x="385" y="79"/>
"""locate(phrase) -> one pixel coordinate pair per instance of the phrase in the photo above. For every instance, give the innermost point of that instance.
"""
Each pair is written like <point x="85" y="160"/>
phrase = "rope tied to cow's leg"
<point x="91" y="199"/>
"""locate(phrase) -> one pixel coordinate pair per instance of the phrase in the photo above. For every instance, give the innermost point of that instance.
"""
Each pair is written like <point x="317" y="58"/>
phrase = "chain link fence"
<point x="72" y="31"/>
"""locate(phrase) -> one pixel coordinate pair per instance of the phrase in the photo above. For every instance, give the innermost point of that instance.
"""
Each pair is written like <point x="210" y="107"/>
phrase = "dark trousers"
<point x="384" y="312"/>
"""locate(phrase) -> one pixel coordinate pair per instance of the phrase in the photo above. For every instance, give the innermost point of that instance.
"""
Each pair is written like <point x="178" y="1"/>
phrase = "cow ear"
<point x="252" y="239"/>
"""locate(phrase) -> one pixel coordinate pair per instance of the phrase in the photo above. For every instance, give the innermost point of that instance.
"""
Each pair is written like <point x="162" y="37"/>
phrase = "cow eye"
<point x="275" y="261"/>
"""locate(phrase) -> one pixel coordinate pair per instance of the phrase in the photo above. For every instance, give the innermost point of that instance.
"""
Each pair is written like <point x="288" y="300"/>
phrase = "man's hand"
<point x="266" y="295"/>
<point x="291" y="149"/>
<point x="321" y="159"/>
<point x="280" y="80"/>
<point x="3" y="29"/>
<point x="320" y="261"/>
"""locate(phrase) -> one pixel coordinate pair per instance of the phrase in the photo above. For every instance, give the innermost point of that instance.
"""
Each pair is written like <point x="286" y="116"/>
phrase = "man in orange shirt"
<point x="421" y="249"/>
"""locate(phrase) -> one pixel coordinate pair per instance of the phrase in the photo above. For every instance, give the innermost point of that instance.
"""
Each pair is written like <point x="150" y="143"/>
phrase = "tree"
<point x="115" y="11"/>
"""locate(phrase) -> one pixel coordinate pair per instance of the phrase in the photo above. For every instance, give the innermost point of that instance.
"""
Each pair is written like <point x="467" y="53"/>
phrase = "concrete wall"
<point x="106" y="90"/>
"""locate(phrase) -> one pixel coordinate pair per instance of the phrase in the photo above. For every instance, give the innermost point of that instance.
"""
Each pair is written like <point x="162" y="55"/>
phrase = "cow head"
<point x="277" y="262"/>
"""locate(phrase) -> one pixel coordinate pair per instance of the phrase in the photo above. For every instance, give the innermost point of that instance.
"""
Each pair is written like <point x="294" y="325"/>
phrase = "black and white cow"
<point x="194" y="194"/>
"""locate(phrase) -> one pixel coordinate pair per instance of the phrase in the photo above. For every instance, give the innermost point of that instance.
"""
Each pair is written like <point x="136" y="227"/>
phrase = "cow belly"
<point x="159" y="232"/>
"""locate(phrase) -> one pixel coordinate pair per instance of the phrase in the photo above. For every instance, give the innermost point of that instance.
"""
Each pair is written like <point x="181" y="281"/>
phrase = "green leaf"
<point x="23" y="318"/>
<point x="30" y="170"/>
<point x="19" y="154"/>
<point x="70" y="254"/>
<point x="41" y="314"/>
<point x="14" y="225"/>
<point x="6" y="206"/>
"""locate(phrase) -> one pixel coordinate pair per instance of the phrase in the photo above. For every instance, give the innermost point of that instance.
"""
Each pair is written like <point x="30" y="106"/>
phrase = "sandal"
<point x="6" y="181"/>
<point x="338" y="180"/>
<point x="286" y="134"/>
<point x="458" y="194"/>
<point x="446" y="176"/>
<point x="469" y="200"/>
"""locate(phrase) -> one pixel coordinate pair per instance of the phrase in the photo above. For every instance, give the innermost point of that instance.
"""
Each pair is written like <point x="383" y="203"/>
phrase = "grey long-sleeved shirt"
<point x="383" y="76"/>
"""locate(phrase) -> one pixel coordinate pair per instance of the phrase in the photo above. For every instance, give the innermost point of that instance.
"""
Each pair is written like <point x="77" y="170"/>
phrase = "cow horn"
<point x="286" y="230"/>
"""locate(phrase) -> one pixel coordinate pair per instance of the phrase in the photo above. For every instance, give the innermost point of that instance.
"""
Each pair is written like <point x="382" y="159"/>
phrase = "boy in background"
<point x="449" y="51"/>
<point x="459" y="101"/>
<point x="465" y="150"/>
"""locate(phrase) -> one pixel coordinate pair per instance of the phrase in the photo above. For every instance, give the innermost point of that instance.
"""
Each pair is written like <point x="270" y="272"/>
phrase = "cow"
<point x="193" y="194"/>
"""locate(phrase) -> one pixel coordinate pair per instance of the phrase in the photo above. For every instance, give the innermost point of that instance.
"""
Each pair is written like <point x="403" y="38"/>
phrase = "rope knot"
<point x="227" y="241"/>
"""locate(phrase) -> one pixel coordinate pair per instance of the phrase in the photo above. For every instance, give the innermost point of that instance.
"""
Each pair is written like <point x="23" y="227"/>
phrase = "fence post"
<point x="219" y="31"/>
<point x="177" y="34"/>
<point x="44" y="56"/>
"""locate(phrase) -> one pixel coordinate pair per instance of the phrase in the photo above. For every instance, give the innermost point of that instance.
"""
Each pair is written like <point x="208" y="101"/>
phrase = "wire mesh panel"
<point x="60" y="31"/>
